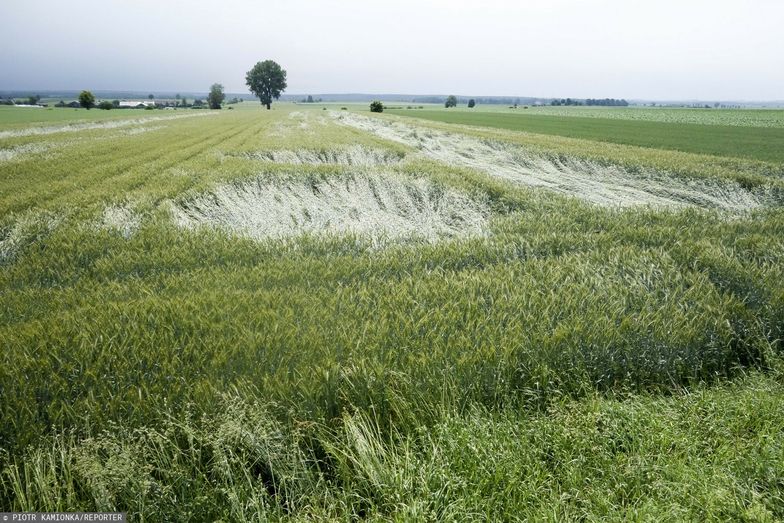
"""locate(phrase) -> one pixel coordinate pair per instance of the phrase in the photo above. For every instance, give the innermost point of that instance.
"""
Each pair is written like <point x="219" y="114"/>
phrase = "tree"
<point x="86" y="99"/>
<point x="471" y="102"/>
<point x="451" y="101"/>
<point x="376" y="107"/>
<point x="105" y="105"/>
<point x="151" y="96"/>
<point x="184" y="102"/>
<point x="267" y="81"/>
<point x="216" y="96"/>
<point x="309" y="100"/>
<point x="33" y="100"/>
<point x="115" y="103"/>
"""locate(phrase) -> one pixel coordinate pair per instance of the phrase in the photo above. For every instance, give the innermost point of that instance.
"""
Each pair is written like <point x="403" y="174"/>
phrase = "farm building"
<point x="135" y="104"/>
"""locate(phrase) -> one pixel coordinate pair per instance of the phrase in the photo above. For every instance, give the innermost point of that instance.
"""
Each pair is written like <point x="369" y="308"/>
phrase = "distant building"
<point x="136" y="104"/>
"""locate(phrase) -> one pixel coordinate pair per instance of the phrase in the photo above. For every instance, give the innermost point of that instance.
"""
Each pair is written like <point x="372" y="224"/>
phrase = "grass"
<point x="757" y="143"/>
<point x="577" y="362"/>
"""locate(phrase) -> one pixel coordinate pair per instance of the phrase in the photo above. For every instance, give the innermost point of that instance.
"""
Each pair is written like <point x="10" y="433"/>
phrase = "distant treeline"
<point x="608" y="102"/>
<point x="109" y="95"/>
<point x="488" y="100"/>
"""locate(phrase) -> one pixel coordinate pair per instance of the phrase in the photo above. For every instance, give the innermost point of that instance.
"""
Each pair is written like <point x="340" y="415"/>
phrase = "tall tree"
<point x="451" y="101"/>
<point x="86" y="99"/>
<point x="267" y="80"/>
<point x="216" y="96"/>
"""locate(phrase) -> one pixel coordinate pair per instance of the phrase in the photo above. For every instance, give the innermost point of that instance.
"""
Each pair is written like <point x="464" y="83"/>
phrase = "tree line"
<point x="267" y="80"/>
<point x="608" y="102"/>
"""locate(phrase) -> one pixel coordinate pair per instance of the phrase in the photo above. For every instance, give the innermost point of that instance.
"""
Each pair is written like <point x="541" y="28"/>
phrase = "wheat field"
<point x="305" y="314"/>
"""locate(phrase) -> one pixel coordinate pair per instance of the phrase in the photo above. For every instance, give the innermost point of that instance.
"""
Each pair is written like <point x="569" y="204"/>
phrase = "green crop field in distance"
<point x="759" y="143"/>
<point x="13" y="117"/>
<point x="298" y="314"/>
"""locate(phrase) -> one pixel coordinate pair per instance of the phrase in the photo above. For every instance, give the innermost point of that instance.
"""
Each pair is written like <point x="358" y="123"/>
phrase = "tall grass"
<point x="711" y="455"/>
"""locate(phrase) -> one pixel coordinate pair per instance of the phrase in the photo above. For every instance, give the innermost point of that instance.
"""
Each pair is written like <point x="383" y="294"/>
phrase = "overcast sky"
<point x="664" y="49"/>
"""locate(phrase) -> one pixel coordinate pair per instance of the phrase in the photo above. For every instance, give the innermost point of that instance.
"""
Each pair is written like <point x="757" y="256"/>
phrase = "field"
<point x="302" y="314"/>
<point x="749" y="134"/>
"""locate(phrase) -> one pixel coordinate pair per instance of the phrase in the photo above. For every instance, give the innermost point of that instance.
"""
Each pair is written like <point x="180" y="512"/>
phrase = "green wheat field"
<point x="323" y="313"/>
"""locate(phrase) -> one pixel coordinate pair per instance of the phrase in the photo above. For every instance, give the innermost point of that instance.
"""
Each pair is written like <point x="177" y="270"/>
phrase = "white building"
<point x="137" y="104"/>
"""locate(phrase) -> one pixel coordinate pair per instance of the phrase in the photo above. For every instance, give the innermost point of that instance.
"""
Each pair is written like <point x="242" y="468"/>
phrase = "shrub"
<point x="344" y="108"/>
<point x="376" y="107"/>
<point x="105" y="105"/>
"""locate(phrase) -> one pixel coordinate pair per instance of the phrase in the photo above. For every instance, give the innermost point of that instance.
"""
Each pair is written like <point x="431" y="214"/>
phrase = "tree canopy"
<point x="216" y="96"/>
<point x="267" y="80"/>
<point x="86" y="99"/>
<point x="451" y="101"/>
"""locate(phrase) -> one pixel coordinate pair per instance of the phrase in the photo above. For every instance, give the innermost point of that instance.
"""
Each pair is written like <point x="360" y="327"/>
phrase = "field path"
<point x="611" y="185"/>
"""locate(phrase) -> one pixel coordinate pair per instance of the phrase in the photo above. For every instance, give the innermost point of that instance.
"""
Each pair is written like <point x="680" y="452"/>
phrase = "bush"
<point x="471" y="103"/>
<point x="376" y="107"/>
<point x="105" y="105"/>
<point x="344" y="108"/>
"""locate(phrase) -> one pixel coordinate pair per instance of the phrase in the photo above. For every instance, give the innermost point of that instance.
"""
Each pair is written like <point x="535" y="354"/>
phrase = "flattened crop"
<point x="378" y="207"/>
<point x="611" y="185"/>
<point x="356" y="155"/>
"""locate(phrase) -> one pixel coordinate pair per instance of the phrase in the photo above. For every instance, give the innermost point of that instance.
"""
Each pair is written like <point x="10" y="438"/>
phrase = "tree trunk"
<point x="268" y="107"/>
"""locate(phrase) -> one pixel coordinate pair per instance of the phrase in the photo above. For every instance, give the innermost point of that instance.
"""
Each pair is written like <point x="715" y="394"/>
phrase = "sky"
<point x="655" y="50"/>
